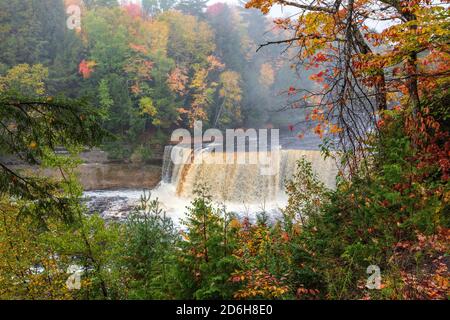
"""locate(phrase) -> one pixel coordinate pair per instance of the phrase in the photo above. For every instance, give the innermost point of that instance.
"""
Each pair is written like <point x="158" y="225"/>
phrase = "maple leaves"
<point x="133" y="9"/>
<point x="178" y="80"/>
<point x="85" y="68"/>
<point x="255" y="242"/>
<point x="259" y="284"/>
<point x="360" y="67"/>
<point x="291" y="91"/>
<point x="431" y="141"/>
<point x="319" y="77"/>
<point x="432" y="281"/>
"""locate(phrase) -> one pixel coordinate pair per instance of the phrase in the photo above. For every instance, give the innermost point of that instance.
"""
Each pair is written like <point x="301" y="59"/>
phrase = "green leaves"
<point x="206" y="262"/>
<point x="32" y="129"/>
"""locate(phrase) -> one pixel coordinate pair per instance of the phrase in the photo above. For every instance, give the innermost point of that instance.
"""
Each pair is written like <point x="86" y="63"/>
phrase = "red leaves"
<point x="133" y="9"/>
<point x="432" y="144"/>
<point x="318" y="77"/>
<point x="385" y="203"/>
<point x="291" y="91"/>
<point x="320" y="57"/>
<point x="85" y="68"/>
<point x="431" y="281"/>
<point x="259" y="284"/>
<point x="319" y="130"/>
<point x="303" y="293"/>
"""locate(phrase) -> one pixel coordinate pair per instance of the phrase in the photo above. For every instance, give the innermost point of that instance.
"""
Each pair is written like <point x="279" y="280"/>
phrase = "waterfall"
<point x="167" y="168"/>
<point x="241" y="183"/>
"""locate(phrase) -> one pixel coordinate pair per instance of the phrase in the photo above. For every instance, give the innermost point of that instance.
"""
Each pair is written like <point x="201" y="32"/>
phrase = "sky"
<point x="279" y="11"/>
<point x="275" y="12"/>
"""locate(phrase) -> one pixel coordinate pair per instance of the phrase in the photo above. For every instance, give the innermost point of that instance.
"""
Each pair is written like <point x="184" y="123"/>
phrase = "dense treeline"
<point x="150" y="69"/>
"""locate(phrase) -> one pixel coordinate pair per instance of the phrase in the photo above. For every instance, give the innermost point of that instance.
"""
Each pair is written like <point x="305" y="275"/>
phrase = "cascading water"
<point x="167" y="168"/>
<point x="243" y="182"/>
<point x="240" y="186"/>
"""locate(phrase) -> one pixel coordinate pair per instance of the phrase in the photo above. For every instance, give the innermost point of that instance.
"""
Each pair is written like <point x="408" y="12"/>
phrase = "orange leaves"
<point x="334" y="129"/>
<point x="317" y="115"/>
<point x="177" y="81"/>
<point x="303" y="293"/>
<point x="320" y="57"/>
<point x="85" y="68"/>
<point x="215" y="63"/>
<point x="32" y="145"/>
<point x="262" y="5"/>
<point x="139" y="48"/>
<point x="259" y="284"/>
<point x="380" y="123"/>
<point x="182" y="110"/>
<point x="318" y="77"/>
<point x="319" y="130"/>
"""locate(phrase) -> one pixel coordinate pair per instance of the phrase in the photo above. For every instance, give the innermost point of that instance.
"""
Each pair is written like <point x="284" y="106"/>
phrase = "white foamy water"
<point x="117" y="204"/>
<point x="241" y="188"/>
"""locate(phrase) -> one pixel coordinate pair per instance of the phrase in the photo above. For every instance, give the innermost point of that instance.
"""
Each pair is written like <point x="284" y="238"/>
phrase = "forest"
<point x="369" y="78"/>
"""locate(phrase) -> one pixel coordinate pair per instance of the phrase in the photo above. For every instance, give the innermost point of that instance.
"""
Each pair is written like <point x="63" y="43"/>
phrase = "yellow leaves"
<point x="230" y="82"/>
<point x="140" y="69"/>
<point x="25" y="78"/>
<point x="190" y="38"/>
<point x="157" y="35"/>
<point x="32" y="145"/>
<point x="21" y="248"/>
<point x="441" y="282"/>
<point x="334" y="129"/>
<point x="266" y="75"/>
<point x="147" y="107"/>
<point x="199" y="80"/>
<point x="235" y="224"/>
<point x="263" y="5"/>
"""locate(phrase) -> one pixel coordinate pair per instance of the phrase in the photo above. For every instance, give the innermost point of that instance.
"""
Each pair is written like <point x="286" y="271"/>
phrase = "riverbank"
<point x="98" y="173"/>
